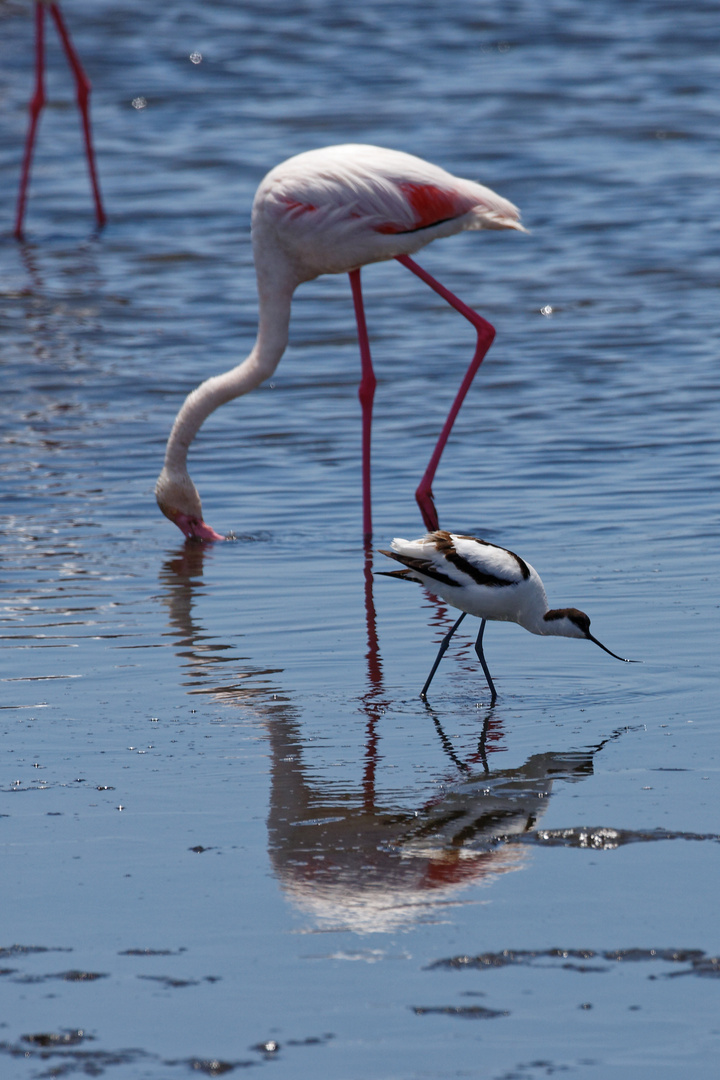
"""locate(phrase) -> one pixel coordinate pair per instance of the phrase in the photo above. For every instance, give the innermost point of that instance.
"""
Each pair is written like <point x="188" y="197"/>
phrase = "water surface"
<point x="233" y="836"/>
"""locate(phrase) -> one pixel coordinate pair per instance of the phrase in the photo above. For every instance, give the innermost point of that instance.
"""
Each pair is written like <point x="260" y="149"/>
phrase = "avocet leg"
<point x="441" y="652"/>
<point x="481" y="658"/>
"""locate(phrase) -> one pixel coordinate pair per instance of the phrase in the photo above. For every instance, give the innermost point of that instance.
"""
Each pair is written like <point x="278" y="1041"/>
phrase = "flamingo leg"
<point x="481" y="658"/>
<point x="83" y="98"/>
<point x="36" y="106"/>
<point x="441" y="652"/>
<point x="485" y="336"/>
<point x="38" y="101"/>
<point x="366" y="394"/>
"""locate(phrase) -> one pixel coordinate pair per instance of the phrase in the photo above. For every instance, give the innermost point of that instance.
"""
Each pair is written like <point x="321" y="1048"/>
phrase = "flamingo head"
<point x="179" y="501"/>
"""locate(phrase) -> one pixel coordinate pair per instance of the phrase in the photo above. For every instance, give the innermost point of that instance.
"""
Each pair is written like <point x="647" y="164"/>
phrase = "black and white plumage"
<point x="490" y="582"/>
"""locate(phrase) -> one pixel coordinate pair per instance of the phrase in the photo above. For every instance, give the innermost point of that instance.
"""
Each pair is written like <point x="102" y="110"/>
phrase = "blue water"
<point x="232" y="834"/>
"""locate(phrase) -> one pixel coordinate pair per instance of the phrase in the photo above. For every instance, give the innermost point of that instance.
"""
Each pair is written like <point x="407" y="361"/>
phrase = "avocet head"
<point x="570" y="622"/>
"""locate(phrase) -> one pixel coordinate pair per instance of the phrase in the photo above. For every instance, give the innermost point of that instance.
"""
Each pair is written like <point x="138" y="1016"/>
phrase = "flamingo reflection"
<point x="376" y="866"/>
<point x="355" y="853"/>
<point x="204" y="657"/>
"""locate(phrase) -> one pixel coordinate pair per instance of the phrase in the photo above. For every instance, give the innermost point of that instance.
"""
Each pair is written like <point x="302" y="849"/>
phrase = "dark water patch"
<point x="152" y="952"/>
<point x="603" y="838"/>
<point x="213" y="1066"/>
<point x="80" y="976"/>
<point x="706" y="966"/>
<point x="508" y="958"/>
<point x="270" y="1048"/>
<point x="540" y="1067"/>
<point x="62" y="1038"/>
<point x="18" y="786"/>
<point x="55" y="1054"/>
<point x="172" y="983"/>
<point x="467" y="1012"/>
<point x="700" y="963"/>
<point x="30" y="950"/>
<point x="64" y="976"/>
<point x="71" y="1062"/>
<point x="311" y="1040"/>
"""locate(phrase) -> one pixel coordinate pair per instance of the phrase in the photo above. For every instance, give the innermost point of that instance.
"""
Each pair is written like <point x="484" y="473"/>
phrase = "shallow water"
<point x="232" y="833"/>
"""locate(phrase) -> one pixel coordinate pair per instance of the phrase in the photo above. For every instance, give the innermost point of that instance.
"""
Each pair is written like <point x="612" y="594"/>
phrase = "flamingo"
<point x="332" y="211"/>
<point x="38" y="101"/>
<point x="489" y="582"/>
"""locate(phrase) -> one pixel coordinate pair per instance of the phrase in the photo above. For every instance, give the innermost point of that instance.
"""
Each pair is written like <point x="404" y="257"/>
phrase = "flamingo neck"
<point x="273" y="323"/>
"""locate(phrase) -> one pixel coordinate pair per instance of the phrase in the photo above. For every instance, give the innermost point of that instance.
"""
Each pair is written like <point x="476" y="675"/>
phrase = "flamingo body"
<point x="490" y="582"/>
<point x="331" y="211"/>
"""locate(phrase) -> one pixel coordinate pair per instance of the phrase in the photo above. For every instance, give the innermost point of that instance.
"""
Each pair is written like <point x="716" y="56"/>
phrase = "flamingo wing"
<point x="346" y="204"/>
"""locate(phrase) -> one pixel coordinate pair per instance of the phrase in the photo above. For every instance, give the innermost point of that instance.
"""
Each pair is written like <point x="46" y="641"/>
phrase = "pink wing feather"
<point x="390" y="191"/>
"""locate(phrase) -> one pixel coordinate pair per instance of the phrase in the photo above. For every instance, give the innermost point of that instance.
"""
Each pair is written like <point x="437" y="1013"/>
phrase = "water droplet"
<point x="546" y="311"/>
<point x="196" y="57"/>
<point x="139" y="103"/>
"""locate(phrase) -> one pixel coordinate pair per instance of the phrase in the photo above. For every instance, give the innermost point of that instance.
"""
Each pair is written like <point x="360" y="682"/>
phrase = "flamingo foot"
<point x="194" y="528"/>
<point x="426" y="501"/>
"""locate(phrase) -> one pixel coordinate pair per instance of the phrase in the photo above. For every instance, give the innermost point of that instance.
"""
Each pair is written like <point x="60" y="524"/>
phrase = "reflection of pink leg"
<point x="83" y="95"/>
<point x="374" y="701"/>
<point x="485" y="336"/>
<point x="366" y="394"/>
<point x="36" y="105"/>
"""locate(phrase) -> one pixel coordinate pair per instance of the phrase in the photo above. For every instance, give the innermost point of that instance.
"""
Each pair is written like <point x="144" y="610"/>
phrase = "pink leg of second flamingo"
<point x="38" y="101"/>
<point x="36" y="106"/>
<point x="83" y="99"/>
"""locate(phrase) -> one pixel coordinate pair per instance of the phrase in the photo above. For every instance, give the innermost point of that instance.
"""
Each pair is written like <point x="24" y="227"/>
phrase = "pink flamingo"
<point x="38" y="101"/>
<point x="327" y="212"/>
